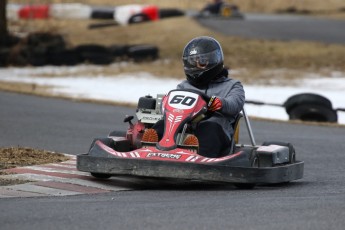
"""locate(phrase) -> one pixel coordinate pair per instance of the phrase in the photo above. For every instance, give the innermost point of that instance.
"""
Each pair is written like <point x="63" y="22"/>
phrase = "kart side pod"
<point x="272" y="155"/>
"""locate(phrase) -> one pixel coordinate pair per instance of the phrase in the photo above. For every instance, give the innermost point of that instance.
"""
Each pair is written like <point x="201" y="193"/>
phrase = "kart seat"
<point x="236" y="128"/>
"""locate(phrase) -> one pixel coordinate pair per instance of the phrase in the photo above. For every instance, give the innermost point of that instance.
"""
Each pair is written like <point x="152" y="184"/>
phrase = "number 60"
<point x="181" y="99"/>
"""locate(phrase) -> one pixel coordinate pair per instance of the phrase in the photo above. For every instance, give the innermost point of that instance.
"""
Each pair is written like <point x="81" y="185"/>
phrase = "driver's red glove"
<point x="214" y="104"/>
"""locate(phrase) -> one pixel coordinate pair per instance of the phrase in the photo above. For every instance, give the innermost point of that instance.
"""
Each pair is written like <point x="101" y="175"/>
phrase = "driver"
<point x="204" y="69"/>
<point x="213" y="7"/>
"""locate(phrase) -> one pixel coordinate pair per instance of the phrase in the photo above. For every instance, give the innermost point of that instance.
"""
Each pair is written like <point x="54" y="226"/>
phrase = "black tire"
<point x="146" y="102"/>
<point x="100" y="59"/>
<point x="168" y="13"/>
<point x="101" y="175"/>
<point x="101" y="25"/>
<point x="314" y="113"/>
<point x="138" y="18"/>
<point x="292" y="152"/>
<point x="37" y="59"/>
<point x="119" y="51"/>
<point x="35" y="48"/>
<point x="122" y="146"/>
<point x="245" y="186"/>
<point x="9" y="41"/>
<point x="140" y="53"/>
<point x="19" y="55"/>
<point x="95" y="54"/>
<point x="306" y="98"/>
<point x="4" y="54"/>
<point x="107" y="141"/>
<point x="67" y="57"/>
<point x="117" y="134"/>
<point x="102" y="13"/>
<point x="248" y="186"/>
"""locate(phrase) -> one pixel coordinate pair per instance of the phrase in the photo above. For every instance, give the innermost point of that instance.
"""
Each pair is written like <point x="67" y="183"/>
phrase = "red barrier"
<point x="152" y="12"/>
<point x="34" y="12"/>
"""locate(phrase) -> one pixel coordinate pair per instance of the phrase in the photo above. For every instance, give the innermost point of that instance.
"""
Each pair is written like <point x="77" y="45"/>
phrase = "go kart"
<point x="227" y="11"/>
<point x="245" y="166"/>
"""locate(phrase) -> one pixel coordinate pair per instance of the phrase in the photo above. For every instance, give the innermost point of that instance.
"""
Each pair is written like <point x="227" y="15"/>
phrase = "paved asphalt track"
<point x="315" y="202"/>
<point x="281" y="27"/>
<point x="39" y="124"/>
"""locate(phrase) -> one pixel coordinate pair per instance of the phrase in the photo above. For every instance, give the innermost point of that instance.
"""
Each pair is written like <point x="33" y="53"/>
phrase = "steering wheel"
<point x="204" y="96"/>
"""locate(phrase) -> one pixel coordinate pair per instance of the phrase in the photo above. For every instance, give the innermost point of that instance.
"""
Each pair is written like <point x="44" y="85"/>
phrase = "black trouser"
<point x="213" y="142"/>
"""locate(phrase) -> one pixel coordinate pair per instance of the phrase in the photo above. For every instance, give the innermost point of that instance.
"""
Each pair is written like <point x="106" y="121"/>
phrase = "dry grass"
<point x="170" y="35"/>
<point x="22" y="156"/>
<point x="24" y="88"/>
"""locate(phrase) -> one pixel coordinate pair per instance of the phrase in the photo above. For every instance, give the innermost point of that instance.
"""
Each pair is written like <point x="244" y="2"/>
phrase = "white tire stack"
<point x="70" y="11"/>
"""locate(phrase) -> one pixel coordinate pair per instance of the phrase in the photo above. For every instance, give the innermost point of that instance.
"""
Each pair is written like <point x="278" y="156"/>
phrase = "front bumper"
<point x="190" y="171"/>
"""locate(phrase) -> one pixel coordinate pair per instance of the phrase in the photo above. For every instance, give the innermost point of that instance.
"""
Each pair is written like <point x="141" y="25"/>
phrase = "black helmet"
<point x="202" y="60"/>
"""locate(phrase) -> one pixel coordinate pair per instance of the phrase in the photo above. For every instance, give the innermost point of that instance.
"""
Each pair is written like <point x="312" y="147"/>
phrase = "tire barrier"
<point x="12" y="11"/>
<point x="70" y="11"/>
<point x="38" y="49"/>
<point x="122" y="15"/>
<point x="168" y="13"/>
<point x="66" y="57"/>
<point x="134" y="13"/>
<point x="102" y="13"/>
<point x="4" y="53"/>
<point x="34" y="49"/>
<point x="34" y="12"/>
<point x="313" y="112"/>
<point x="9" y="41"/>
<point x="310" y="107"/>
<point x="306" y="98"/>
<point x="307" y="107"/>
<point x="139" y="53"/>
<point x="44" y="11"/>
<point x="119" y="52"/>
<point x="138" y="18"/>
<point x="94" y="54"/>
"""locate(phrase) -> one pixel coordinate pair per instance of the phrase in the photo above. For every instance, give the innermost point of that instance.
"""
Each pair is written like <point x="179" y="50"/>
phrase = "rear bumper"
<point x="190" y="171"/>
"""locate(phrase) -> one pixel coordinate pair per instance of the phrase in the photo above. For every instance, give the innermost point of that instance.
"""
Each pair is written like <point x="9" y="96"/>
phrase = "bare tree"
<point x="3" y="19"/>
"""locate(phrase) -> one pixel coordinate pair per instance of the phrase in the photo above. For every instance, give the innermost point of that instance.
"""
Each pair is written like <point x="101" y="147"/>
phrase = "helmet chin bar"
<point x="204" y="78"/>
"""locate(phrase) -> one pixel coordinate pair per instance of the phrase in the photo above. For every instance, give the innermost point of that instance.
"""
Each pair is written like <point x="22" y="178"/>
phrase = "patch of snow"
<point x="129" y="87"/>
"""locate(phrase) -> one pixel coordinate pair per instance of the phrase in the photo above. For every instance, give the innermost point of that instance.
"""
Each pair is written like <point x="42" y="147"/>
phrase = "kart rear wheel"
<point x="244" y="186"/>
<point x="101" y="175"/>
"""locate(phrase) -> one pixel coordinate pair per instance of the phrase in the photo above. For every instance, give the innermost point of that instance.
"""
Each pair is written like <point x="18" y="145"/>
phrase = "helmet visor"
<point x="197" y="63"/>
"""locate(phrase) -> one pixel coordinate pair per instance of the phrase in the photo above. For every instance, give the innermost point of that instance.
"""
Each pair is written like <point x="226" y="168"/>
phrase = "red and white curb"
<point x="60" y="179"/>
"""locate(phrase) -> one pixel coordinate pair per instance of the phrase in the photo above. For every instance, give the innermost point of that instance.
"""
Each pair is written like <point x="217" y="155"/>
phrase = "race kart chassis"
<point x="188" y="171"/>
<point x="245" y="166"/>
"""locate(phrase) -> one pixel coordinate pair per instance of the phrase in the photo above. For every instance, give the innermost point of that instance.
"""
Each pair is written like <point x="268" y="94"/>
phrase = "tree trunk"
<point x="3" y="19"/>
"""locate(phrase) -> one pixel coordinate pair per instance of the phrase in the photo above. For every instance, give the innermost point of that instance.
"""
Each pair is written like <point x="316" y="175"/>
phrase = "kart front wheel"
<point x="101" y="175"/>
<point x="244" y="186"/>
